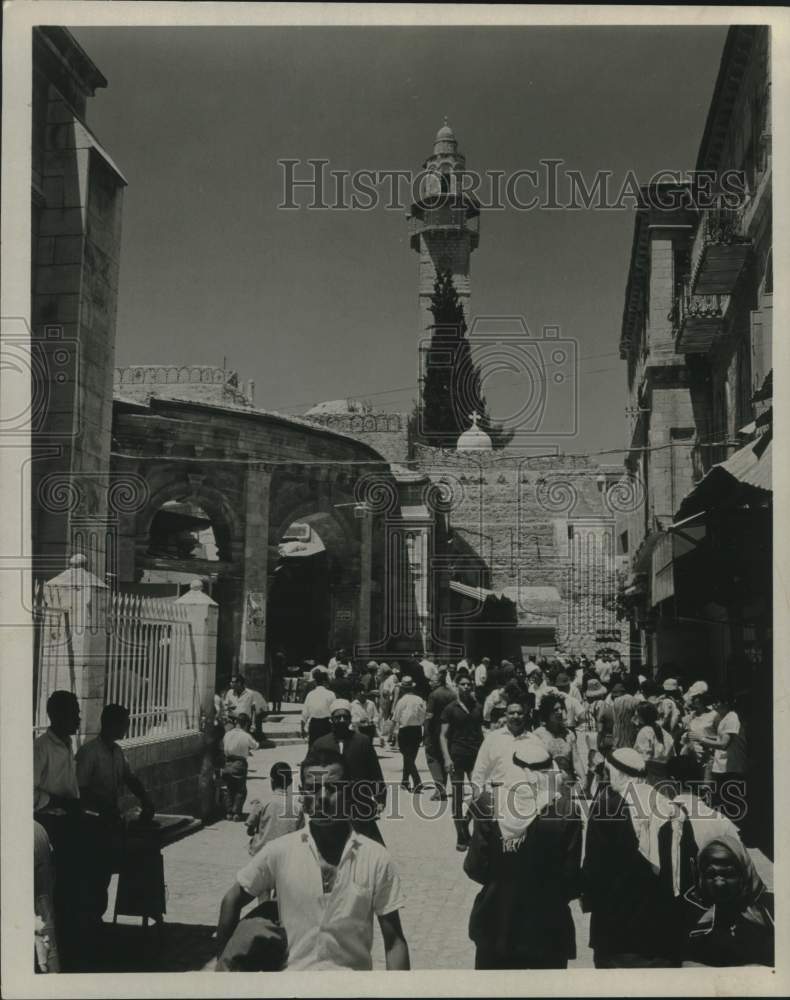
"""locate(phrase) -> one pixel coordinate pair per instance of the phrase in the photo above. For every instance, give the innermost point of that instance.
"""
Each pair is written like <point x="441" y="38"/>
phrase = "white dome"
<point x="474" y="439"/>
<point x="445" y="133"/>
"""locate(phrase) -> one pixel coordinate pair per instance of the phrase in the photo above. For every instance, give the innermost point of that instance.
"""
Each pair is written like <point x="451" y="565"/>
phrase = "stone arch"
<point x="224" y="520"/>
<point x="332" y="529"/>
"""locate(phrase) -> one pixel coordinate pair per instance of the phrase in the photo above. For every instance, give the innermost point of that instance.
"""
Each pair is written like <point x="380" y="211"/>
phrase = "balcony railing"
<point x="698" y="321"/>
<point x="446" y="218"/>
<point x="719" y="252"/>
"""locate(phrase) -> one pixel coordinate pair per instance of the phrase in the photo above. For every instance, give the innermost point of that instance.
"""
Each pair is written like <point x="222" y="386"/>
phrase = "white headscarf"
<point x="707" y="823"/>
<point x="523" y="795"/>
<point x="648" y="809"/>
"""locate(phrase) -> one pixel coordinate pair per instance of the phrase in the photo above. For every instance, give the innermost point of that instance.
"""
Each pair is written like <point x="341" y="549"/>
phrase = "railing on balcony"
<point x="719" y="251"/>
<point x="698" y="320"/>
<point x="447" y="217"/>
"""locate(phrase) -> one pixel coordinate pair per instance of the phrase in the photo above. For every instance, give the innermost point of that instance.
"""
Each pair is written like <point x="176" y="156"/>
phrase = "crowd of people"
<point x="569" y="779"/>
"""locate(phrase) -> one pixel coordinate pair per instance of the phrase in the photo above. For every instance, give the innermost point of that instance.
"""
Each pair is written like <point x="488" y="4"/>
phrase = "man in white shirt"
<point x="730" y="758"/>
<point x="409" y="716"/>
<point x="429" y="669"/>
<point x="495" y="756"/>
<point x="538" y="685"/>
<point x="340" y="659"/>
<point x="333" y="930"/>
<point x="55" y="787"/>
<point x="604" y="668"/>
<point x="315" y="709"/>
<point x="240" y="700"/>
<point x="103" y="770"/>
<point x="481" y="679"/>
<point x="364" y="714"/>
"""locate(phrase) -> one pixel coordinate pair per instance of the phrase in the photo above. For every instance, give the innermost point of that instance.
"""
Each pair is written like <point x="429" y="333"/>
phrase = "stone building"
<point x="696" y="335"/>
<point x="506" y="555"/>
<point x="77" y="193"/>
<point x="336" y="529"/>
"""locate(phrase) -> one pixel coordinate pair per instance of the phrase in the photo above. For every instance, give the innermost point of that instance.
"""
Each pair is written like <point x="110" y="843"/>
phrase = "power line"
<point x="413" y="388"/>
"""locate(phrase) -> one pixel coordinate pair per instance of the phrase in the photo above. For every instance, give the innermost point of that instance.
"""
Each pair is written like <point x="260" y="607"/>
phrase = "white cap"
<point x="628" y="761"/>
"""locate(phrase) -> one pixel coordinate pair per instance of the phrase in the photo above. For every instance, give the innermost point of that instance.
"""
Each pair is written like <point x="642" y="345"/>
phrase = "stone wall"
<point x="520" y="522"/>
<point x="386" y="432"/>
<point x="170" y="769"/>
<point x="76" y="231"/>
<point x="201" y="383"/>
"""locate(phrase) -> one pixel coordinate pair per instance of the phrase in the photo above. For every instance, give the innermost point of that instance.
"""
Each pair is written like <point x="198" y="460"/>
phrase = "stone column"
<point x="252" y="652"/>
<point x="82" y="669"/>
<point x="365" y="579"/>
<point x="201" y="613"/>
<point x="417" y="548"/>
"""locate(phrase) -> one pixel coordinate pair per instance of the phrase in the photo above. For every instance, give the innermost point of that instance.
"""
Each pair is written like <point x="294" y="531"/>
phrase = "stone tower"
<point x="444" y="225"/>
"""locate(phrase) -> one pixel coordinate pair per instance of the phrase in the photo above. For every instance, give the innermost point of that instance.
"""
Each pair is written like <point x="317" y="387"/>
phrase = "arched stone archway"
<point x="314" y="603"/>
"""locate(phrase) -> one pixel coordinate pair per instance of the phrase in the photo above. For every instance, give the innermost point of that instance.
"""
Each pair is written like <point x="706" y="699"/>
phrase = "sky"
<point x="318" y="305"/>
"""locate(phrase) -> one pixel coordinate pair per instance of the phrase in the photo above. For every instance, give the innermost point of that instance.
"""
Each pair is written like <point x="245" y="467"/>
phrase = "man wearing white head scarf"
<point x="526" y="852"/>
<point x="630" y="906"/>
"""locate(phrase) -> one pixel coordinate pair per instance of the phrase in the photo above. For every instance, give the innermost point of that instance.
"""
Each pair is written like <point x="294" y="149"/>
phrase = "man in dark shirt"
<point x="366" y="785"/>
<point x="460" y="737"/>
<point x="439" y="698"/>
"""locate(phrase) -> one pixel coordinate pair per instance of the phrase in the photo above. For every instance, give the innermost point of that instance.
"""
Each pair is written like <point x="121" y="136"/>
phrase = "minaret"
<point x="444" y="225"/>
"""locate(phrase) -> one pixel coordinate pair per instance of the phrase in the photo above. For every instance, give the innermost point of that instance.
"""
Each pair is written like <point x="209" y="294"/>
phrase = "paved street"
<point x="419" y="834"/>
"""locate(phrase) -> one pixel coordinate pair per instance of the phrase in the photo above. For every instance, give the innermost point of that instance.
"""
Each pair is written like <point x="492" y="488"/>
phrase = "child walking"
<point x="237" y="745"/>
<point x="282" y="814"/>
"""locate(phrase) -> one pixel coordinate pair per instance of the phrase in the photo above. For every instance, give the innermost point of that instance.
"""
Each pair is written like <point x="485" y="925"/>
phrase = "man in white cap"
<point x="366" y="785"/>
<point x="631" y="923"/>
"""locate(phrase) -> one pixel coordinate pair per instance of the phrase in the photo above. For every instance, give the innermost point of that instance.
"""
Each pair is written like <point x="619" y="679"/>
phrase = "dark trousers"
<point x="409" y="744"/>
<point x="276" y="693"/>
<point x="368" y="730"/>
<point x="83" y="856"/>
<point x="433" y="757"/>
<point x="631" y="960"/>
<point x="316" y="728"/>
<point x="463" y="764"/>
<point x="264" y="951"/>
<point x="234" y="785"/>
<point x="486" y="957"/>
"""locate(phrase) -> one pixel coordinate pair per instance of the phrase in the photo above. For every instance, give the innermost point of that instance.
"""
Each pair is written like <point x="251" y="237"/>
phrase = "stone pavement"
<point x="419" y="834"/>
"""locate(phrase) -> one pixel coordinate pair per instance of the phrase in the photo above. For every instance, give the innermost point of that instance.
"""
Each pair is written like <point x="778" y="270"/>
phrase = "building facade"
<point x="696" y="336"/>
<point x="77" y="194"/>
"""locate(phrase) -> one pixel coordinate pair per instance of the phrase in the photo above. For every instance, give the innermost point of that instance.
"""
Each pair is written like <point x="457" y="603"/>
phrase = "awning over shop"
<point x="535" y="606"/>
<point x="749" y="468"/>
